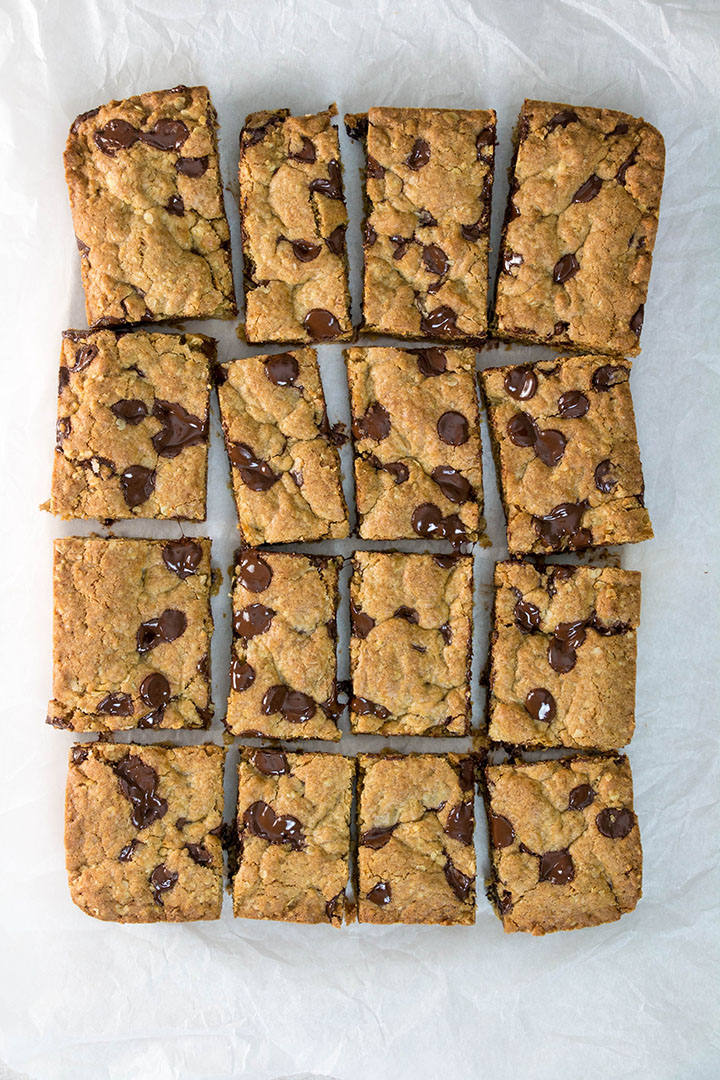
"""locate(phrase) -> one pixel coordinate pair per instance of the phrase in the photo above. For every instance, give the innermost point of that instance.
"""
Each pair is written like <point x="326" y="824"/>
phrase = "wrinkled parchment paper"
<point x="639" y="998"/>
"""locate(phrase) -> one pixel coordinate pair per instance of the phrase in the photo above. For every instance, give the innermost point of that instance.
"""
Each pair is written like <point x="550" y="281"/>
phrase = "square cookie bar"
<point x="293" y="229"/>
<point x="283" y="453"/>
<point x="293" y="825"/>
<point x="564" y="843"/>
<point x="562" y="656"/>
<point x="428" y="186"/>
<point x="579" y="230"/>
<point x="132" y="429"/>
<point x="132" y="629"/>
<point x="284" y="665"/>
<point x="142" y="831"/>
<point x="147" y="205"/>
<point x="567" y="456"/>
<point x="416" y="430"/>
<point x="411" y="643"/>
<point x="415" y="821"/>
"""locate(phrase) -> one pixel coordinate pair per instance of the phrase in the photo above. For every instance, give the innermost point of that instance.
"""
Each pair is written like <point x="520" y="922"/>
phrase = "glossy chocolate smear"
<point x="563" y="524"/>
<point x="128" y="851"/>
<point x="138" y="782"/>
<point x="380" y="894"/>
<point x="562" y="119"/>
<point x="460" y="883"/>
<point x="378" y="836"/>
<point x="164" y="628"/>
<point x="375" y="424"/>
<point x="321" y="325"/>
<point x="460" y="823"/>
<point x="270" y="762"/>
<point x="453" y="484"/>
<point x="83" y="356"/>
<point x="501" y="831"/>
<point x="193" y="167"/>
<point x="179" y="429"/>
<point x="568" y="637"/>
<point x="254" y="574"/>
<point x="441" y="322"/>
<point x="565" y="268"/>
<point x="636" y="323"/>
<point x="116" y="705"/>
<point x="254" y="472"/>
<point x="587" y="191"/>
<point x="161" y="881"/>
<point x="261" y="820"/>
<point x="155" y="690"/>
<point x="615" y="822"/>
<point x="330" y="186"/>
<point x="252" y="620"/>
<point x="419" y="155"/>
<point x="430" y="362"/>
<point x="527" y="616"/>
<point x="182" y="557"/>
<point x="294" y="706"/>
<point x="362" y="623"/>
<point x="131" y="410"/>
<point x="541" y="705"/>
<point x="306" y="152"/>
<point x="336" y="240"/>
<point x="609" y="375"/>
<point x="242" y="675"/>
<point x="453" y="429"/>
<point x="604" y="479"/>
<point x="435" y="259"/>
<point x="120" y="135"/>
<point x="556" y="867"/>
<point x="572" y="404"/>
<point x="362" y="707"/>
<point x="137" y="484"/>
<point x="580" y="797"/>
<point x="521" y="383"/>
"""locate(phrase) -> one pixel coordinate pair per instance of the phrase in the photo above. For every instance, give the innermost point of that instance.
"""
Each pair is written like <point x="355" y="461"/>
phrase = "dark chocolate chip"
<point x="261" y="820"/>
<point x="295" y="707"/>
<point x="155" y="690"/>
<point x="621" y="174"/>
<point x="446" y="631"/>
<point x="445" y="562"/>
<point x="426" y="219"/>
<point x="556" y="867"/>
<point x="604" y="480"/>
<point x="330" y="186"/>
<point x="377" y="837"/>
<point x="453" y="429"/>
<point x="460" y="883"/>
<point x="511" y="259"/>
<point x="485" y="138"/>
<point x="466" y="773"/>
<point x="254" y="472"/>
<point x="162" y="880"/>
<point x="609" y="375"/>
<point x="565" y="268"/>
<point x="453" y="484"/>
<point x="336" y="240"/>
<point x="636" y="323"/>
<point x="435" y="259"/>
<point x="615" y="822"/>
<point x="430" y="362"/>
<point x="380" y="894"/>
<point x="541" y="705"/>
<point x="419" y="155"/>
<point x="396" y="469"/>
<point x="369" y="235"/>
<point x="182" y="557"/>
<point x="181" y="822"/>
<point x="362" y="623"/>
<point x="79" y="754"/>
<point x="79" y="120"/>
<point x="401" y="245"/>
<point x="62" y="430"/>
<point x="620" y="128"/>
<point x="199" y="854"/>
<point x="304" y="250"/>
<point x="131" y="410"/>
<point x="521" y="383"/>
<point x="440" y="322"/>
<point x="116" y="705"/>
<point x="138" y="782"/>
<point x="83" y="357"/>
<point x="252" y="620"/>
<point x="375" y="424"/>
<point x="501" y="831"/>
<point x="166" y="135"/>
<point x="563" y="523"/>
<point x="128" y="851"/>
<point x="179" y="430"/>
<point x="321" y="325"/>
<point x="460" y="823"/>
<point x="137" y="484"/>
<point x="572" y="404"/>
<point x="587" y="191"/>
<point x="175" y="206"/>
<point x="270" y="762"/>
<point x="567" y="639"/>
<point x="521" y="430"/>
<point x="203" y="666"/>
<point x="334" y="907"/>
<point x="306" y="152"/>
<point x="241" y="675"/>
<point x="115" y="135"/>
<point x="251" y="136"/>
<point x="562" y="119"/>
<point x="409" y="614"/>
<point x="193" y="167"/>
<point x="427" y="521"/>
<point x="254" y="574"/>
<point x="164" y="628"/>
<point x="63" y="379"/>
<point x="373" y="169"/>
<point x="472" y="232"/>
<point x="362" y="707"/>
<point x="550" y="446"/>
<point x="527" y="616"/>
<point x="580" y="797"/>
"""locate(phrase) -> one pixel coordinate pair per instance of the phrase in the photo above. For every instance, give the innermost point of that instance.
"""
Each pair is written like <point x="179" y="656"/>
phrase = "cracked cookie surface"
<point x="428" y="185"/>
<point x="567" y="456"/>
<point x="411" y="643"/>
<point x="142" y="827"/>
<point x="415" y="822"/>
<point x="416" y="434"/>
<point x="564" y="843"/>
<point x="131" y="631"/>
<point x="562" y="656"/>
<point x="147" y="205"/>
<point x="284" y="462"/>
<point x="132" y="425"/>
<point x="293" y="825"/>
<point x="579" y="230"/>
<point x="293" y="229"/>
<point x="284" y="666"/>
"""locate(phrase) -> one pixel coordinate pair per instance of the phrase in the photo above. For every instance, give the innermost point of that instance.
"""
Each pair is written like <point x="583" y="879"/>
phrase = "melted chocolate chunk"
<point x="377" y="837"/>
<point x="252" y="620"/>
<point x="380" y="894"/>
<point x="562" y="651"/>
<point x="193" y="167"/>
<point x="295" y="707"/>
<point x="375" y="424"/>
<point x="511" y="259"/>
<point x="242" y="675"/>
<point x="453" y="429"/>
<point x="521" y="383"/>
<point x="401" y="246"/>
<point x="116" y="705"/>
<point x="615" y="822"/>
<point x="254" y="472"/>
<point x="160" y="630"/>
<point x="161" y="881"/>
<point x="565" y="268"/>
<point x="79" y="120"/>
<point x="430" y="362"/>
<point x="426" y="219"/>
<point x="460" y="883"/>
<point x="485" y="138"/>
<point x="362" y="624"/>
<point x="522" y="430"/>
<point x="120" y="135"/>
<point x="562" y="119"/>
<point x="304" y="250"/>
<point x="620" y="128"/>
<point x="557" y="573"/>
<point x="175" y="206"/>
<point x="446" y="633"/>
<point x="62" y="430"/>
<point x="362" y="707"/>
<point x="427" y="521"/>
<point x="251" y="136"/>
<point x="502" y="832"/>
<point x="541" y="705"/>
<point x="445" y="562"/>
<point x="332" y="186"/>
<point x="636" y="323"/>
<point x="137" y="484"/>
<point x="550" y="446"/>
<point x="306" y="152"/>
<point x="419" y="155"/>
<point x="621" y="174"/>
<point x="396" y="469"/>
<point x="442" y="322"/>
<point x="409" y="614"/>
<point x="472" y="232"/>
<point x="556" y="867"/>
<point x="466" y="774"/>
<point x="253" y="573"/>
<point x="572" y="404"/>
<point x="587" y="191"/>
<point x="270" y="762"/>
<point x="609" y="375"/>
<point x="79" y="754"/>
<point x="131" y="410"/>
<point x="199" y="854"/>
<point x="460" y="823"/>
<point x="527" y="616"/>
<point x="334" y="907"/>
<point x="138" y="783"/>
<point x="179" y="429"/>
<point x="321" y="325"/>
<point x="336" y="240"/>
<point x="128" y="851"/>
<point x="604" y="480"/>
<point x="182" y="557"/>
<point x="580" y="797"/>
<point x="453" y="484"/>
<point x="83" y="356"/>
<point x="563" y="524"/>
<point x="261" y="820"/>
<point x="63" y="379"/>
<point x="155" y="690"/>
<point x="373" y="169"/>
<point x="435" y="259"/>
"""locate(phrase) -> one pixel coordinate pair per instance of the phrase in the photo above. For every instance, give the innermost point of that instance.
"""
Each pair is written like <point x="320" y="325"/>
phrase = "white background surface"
<point x="639" y="998"/>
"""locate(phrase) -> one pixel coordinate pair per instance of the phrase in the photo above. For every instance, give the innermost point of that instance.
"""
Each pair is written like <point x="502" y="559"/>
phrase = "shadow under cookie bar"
<point x="294" y="219"/>
<point x="147" y="204"/>
<point x="579" y="229"/>
<point x="427" y="193"/>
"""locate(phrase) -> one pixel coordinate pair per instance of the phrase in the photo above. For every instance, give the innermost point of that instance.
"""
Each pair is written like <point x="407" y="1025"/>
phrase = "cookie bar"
<point x="283" y="452"/>
<point x="415" y="821"/>
<point x="562" y="656"/>
<point x="293" y="229"/>
<point x="579" y="230"/>
<point x="294" y="836"/>
<point x="428" y="186"/>
<point x="284" y="666"/>
<point x="566" y="453"/>
<point x="147" y="206"/>
<point x="142" y="831"/>
<point x="132" y="427"/>
<point x="416" y="430"/>
<point x="564" y="843"/>
<point x="411" y="643"/>
<point x="132" y="629"/>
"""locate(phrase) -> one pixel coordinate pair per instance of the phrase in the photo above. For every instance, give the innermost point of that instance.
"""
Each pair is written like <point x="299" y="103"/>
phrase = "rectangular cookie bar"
<point x="293" y="823"/>
<point x="142" y="831"/>
<point x="579" y="230"/>
<point x="566" y="453"/>
<point x="284" y="665"/>
<point x="147" y="205"/>
<point x="564" y="843"/>
<point x="411" y="643"/>
<point x="416" y="430"/>
<point x="132" y="428"/>
<point x="283" y="453"/>
<point x="132" y="629"/>
<point x="562" y="656"/>
<point x="293" y="229"/>
<point x="428" y="186"/>
<point x="415" y="822"/>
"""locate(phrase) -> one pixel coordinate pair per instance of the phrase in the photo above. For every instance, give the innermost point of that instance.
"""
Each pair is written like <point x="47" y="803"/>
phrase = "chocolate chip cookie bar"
<point x="415" y="822"/>
<point x="579" y="230"/>
<point x="428" y="185"/>
<point x="564" y="843"/>
<point x="132" y="427"/>
<point x="562" y="656"/>
<point x="284" y="666"/>
<point x="283" y="452"/>
<point x="416" y="430"/>
<point x="293" y="825"/>
<point x="411" y="643"/>
<point x="293" y="229"/>
<point x="132" y="629"/>
<point x="566" y="452"/>
<point x="142" y="831"/>
<point x="147" y="206"/>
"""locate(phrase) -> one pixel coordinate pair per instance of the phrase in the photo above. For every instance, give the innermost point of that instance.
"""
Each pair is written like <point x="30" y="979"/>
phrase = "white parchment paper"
<point x="639" y="998"/>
